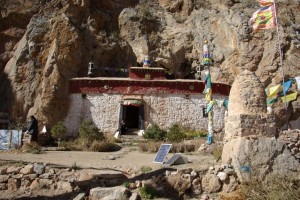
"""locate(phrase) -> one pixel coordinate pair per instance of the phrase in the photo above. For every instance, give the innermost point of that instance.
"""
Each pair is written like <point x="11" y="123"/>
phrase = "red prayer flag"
<point x="263" y="19"/>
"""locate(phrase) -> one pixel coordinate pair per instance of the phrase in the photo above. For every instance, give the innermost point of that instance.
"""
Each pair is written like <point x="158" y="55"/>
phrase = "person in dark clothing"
<point x="33" y="129"/>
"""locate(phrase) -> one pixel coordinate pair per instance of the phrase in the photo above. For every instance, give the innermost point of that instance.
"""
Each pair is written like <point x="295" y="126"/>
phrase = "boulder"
<point x="3" y="170"/>
<point x="13" y="184"/>
<point x="180" y="182"/>
<point x="3" y="186"/>
<point x="222" y="176"/>
<point x="38" y="168"/>
<point x="4" y="178"/>
<point x="13" y="170"/>
<point x="211" y="183"/>
<point x="64" y="186"/>
<point x="112" y="193"/>
<point x="28" y="169"/>
<point x="230" y="184"/>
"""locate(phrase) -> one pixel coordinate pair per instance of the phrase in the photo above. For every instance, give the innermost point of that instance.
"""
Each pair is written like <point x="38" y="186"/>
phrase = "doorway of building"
<point x="131" y="117"/>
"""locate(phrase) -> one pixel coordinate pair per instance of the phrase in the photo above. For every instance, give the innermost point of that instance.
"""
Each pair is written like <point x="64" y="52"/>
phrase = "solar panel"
<point x="162" y="153"/>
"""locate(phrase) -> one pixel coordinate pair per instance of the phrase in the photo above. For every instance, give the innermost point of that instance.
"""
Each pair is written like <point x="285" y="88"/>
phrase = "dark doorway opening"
<point x="131" y="116"/>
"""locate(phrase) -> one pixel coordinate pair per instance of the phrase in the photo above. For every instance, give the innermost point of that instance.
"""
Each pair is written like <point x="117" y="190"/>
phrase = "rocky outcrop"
<point x="55" y="41"/>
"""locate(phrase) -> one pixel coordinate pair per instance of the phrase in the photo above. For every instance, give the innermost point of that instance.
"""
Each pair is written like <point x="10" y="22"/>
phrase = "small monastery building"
<point x="145" y="97"/>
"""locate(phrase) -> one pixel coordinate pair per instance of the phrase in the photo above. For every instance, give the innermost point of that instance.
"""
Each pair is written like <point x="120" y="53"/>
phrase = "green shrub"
<point x="58" y="131"/>
<point x="155" y="133"/>
<point x="126" y="184"/>
<point x="175" y="133"/>
<point x="146" y="169"/>
<point x="75" y="166"/>
<point x="88" y="130"/>
<point x="191" y="134"/>
<point x="148" y="192"/>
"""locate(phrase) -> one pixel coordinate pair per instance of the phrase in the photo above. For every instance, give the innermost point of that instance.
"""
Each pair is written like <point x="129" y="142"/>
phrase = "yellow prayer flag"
<point x="208" y="95"/>
<point x="273" y="91"/>
<point x="290" y="97"/>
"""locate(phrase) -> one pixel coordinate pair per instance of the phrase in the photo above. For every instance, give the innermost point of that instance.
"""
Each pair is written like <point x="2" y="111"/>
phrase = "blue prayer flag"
<point x="287" y="85"/>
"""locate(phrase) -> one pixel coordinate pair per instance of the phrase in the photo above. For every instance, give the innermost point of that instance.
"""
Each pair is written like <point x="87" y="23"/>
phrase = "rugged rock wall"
<point x="44" y="43"/>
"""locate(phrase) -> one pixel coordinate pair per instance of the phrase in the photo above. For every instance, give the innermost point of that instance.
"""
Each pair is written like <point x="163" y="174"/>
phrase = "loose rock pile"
<point x="292" y="139"/>
<point x="44" y="181"/>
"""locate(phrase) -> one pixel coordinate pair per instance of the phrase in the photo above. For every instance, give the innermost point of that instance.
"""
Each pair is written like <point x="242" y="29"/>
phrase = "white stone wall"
<point x="167" y="109"/>
<point x="163" y="109"/>
<point x="103" y="109"/>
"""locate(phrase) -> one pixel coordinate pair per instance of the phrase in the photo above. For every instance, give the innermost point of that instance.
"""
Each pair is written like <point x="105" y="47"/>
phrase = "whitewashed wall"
<point x="103" y="109"/>
<point x="167" y="109"/>
<point x="163" y="109"/>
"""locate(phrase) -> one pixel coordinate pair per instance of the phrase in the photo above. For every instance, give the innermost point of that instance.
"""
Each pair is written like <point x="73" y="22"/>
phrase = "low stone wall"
<point x="43" y="181"/>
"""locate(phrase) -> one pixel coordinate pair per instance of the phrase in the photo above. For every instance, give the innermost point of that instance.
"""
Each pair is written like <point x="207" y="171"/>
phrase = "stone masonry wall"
<point x="246" y="125"/>
<point x="103" y="109"/>
<point x="163" y="109"/>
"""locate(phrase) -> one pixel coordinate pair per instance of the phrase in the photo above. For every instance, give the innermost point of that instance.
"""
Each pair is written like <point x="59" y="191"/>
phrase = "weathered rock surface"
<point x="114" y="193"/>
<point x="55" y="40"/>
<point x="263" y="156"/>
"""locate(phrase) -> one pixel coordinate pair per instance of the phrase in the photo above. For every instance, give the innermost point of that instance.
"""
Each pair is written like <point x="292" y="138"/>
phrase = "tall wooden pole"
<point x="282" y="66"/>
<point x="206" y="61"/>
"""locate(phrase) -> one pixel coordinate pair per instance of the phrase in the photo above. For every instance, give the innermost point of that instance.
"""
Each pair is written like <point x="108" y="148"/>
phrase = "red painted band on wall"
<point x="128" y="86"/>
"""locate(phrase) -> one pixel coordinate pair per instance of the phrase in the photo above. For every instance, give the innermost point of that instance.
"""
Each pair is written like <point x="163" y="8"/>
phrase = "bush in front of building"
<point x="104" y="146"/>
<point x="175" y="133"/>
<point x="89" y="131"/>
<point x="155" y="133"/>
<point x="192" y="134"/>
<point x="58" y="131"/>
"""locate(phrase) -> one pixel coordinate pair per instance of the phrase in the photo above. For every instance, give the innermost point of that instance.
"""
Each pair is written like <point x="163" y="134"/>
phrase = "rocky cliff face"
<point x="44" y="43"/>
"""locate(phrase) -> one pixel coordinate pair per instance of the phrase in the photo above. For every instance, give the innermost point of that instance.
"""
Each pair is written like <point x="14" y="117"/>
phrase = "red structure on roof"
<point x="143" y="81"/>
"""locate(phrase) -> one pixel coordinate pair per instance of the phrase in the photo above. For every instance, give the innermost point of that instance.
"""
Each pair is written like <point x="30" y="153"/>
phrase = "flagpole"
<point x="281" y="63"/>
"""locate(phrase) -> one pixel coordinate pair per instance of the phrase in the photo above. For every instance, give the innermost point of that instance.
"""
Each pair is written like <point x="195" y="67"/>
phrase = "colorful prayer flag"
<point x="208" y="95"/>
<point x="266" y="2"/>
<point x="298" y="82"/>
<point x="286" y="86"/>
<point x="226" y="103"/>
<point x="290" y="97"/>
<point x="272" y="92"/>
<point x="210" y="106"/>
<point x="208" y="82"/>
<point x="263" y="19"/>
<point x="271" y="101"/>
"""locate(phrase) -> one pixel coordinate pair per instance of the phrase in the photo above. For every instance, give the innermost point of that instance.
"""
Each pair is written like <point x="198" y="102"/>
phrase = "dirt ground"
<point x="124" y="159"/>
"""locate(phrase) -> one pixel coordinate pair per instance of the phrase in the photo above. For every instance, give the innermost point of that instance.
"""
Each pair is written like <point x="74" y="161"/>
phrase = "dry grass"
<point x="32" y="147"/>
<point x="273" y="188"/>
<point x="152" y="147"/>
<point x="81" y="144"/>
<point x="236" y="195"/>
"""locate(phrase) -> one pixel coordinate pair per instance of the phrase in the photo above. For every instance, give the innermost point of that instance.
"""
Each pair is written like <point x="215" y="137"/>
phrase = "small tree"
<point x="155" y="133"/>
<point x="175" y="133"/>
<point x="89" y="131"/>
<point x="58" y="131"/>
